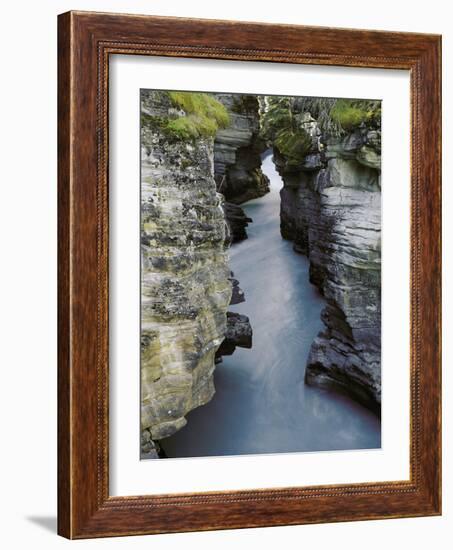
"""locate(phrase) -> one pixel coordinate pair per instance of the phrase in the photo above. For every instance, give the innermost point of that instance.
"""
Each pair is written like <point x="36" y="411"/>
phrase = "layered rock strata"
<point x="185" y="277"/>
<point x="331" y="209"/>
<point x="237" y="150"/>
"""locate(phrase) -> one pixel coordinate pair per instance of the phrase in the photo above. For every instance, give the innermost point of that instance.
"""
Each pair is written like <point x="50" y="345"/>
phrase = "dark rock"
<point x="237" y="295"/>
<point x="237" y="221"/>
<point x="335" y="364"/>
<point x="238" y="334"/>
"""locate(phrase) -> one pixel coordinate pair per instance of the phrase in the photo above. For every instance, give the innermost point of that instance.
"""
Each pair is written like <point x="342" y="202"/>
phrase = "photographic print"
<point x="260" y="274"/>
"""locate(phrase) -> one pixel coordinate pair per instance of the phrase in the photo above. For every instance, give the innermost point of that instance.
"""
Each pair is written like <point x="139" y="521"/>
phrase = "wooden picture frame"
<point x="85" y="42"/>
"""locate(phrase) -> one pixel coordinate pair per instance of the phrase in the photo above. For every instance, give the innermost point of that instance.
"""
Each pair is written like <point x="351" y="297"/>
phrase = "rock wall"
<point x="185" y="276"/>
<point x="237" y="222"/>
<point x="331" y="209"/>
<point x="237" y="150"/>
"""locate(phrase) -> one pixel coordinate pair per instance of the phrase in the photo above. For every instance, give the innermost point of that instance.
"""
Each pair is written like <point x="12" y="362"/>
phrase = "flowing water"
<point x="261" y="404"/>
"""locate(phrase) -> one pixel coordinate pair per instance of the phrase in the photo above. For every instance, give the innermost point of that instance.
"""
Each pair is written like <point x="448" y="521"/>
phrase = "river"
<point x="261" y="404"/>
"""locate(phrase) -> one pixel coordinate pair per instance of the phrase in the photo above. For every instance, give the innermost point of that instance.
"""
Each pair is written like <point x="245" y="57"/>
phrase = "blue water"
<point x="261" y="404"/>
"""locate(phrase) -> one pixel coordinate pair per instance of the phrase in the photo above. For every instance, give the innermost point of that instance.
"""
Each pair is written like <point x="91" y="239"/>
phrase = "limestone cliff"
<point x="185" y="277"/>
<point x="331" y="209"/>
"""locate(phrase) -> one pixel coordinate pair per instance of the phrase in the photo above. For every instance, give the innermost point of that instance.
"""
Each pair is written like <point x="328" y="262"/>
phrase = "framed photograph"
<point x="249" y="275"/>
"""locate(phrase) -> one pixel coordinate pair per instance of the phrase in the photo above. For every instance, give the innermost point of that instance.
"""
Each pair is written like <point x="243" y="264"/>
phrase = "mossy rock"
<point x="204" y="115"/>
<point x="350" y="114"/>
<point x="294" y="145"/>
<point x="196" y="115"/>
<point x="283" y="129"/>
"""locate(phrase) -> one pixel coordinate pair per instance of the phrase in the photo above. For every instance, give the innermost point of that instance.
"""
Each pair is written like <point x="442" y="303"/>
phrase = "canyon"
<point x="197" y="209"/>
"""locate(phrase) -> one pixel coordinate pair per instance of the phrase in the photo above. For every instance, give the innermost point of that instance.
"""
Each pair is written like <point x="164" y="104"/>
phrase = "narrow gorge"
<point x="260" y="275"/>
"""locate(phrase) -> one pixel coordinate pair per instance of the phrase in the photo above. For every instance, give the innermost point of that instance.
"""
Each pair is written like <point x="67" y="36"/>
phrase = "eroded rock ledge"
<point x="237" y="151"/>
<point x="237" y="222"/>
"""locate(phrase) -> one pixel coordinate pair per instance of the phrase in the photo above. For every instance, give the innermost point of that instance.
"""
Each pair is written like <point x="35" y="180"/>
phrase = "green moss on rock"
<point x="335" y="117"/>
<point x="191" y="127"/>
<point x="204" y="115"/>
<point x="294" y="145"/>
<point x="284" y="130"/>
<point x="194" y="115"/>
<point x="349" y="114"/>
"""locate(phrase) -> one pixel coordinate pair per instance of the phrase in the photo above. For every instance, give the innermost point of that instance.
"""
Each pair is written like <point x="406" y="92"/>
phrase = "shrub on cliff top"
<point x="339" y="116"/>
<point x="204" y="115"/>
<point x="191" y="127"/>
<point x="351" y="113"/>
<point x="335" y="117"/>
